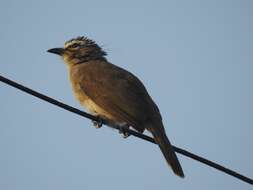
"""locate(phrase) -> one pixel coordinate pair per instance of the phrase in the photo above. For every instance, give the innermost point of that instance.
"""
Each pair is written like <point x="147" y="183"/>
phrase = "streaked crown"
<point x="79" y="41"/>
<point x="84" y="42"/>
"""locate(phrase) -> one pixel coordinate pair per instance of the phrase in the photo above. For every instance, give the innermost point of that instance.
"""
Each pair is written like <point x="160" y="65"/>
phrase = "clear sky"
<point x="195" y="58"/>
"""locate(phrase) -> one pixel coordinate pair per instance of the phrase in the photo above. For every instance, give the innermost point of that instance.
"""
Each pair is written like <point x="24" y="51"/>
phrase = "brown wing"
<point x="116" y="91"/>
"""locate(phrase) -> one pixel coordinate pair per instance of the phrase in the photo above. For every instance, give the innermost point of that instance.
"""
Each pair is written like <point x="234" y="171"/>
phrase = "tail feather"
<point x="164" y="144"/>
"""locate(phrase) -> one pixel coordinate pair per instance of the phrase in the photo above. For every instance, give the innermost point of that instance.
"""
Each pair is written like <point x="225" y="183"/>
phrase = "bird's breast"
<point x="88" y="103"/>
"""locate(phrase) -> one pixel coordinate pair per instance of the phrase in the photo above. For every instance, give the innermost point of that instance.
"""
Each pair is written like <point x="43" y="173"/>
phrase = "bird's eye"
<point x="74" y="45"/>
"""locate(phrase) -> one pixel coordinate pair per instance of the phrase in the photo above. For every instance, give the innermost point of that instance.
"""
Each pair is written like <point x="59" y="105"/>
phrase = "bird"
<point x="113" y="93"/>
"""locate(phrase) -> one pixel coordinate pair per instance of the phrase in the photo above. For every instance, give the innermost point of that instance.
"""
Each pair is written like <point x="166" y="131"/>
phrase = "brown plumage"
<point x="113" y="93"/>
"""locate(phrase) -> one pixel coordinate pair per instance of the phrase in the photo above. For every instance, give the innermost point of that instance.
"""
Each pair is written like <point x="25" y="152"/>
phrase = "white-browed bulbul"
<point x="113" y="93"/>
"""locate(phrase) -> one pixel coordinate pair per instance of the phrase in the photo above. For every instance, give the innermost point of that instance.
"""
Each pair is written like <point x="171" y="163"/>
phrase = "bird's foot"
<point x="123" y="129"/>
<point x="97" y="124"/>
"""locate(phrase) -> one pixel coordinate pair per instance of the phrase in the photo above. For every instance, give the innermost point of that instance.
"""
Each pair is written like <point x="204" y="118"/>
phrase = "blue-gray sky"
<point x="195" y="58"/>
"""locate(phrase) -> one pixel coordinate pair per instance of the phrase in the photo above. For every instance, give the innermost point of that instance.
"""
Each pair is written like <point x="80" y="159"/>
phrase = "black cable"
<point x="129" y="131"/>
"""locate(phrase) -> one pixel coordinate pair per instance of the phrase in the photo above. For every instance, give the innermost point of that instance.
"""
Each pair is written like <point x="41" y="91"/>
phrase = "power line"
<point x="129" y="131"/>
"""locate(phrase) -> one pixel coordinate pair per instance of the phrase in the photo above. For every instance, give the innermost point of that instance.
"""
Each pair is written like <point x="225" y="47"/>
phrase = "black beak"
<point x="58" y="51"/>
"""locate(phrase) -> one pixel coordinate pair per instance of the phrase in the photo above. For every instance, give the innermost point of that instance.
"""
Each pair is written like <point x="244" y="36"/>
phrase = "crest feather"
<point x="85" y="42"/>
<point x="81" y="40"/>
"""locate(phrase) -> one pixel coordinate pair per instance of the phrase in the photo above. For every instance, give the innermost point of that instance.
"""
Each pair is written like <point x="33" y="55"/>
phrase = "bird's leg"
<point x="97" y="124"/>
<point x="123" y="129"/>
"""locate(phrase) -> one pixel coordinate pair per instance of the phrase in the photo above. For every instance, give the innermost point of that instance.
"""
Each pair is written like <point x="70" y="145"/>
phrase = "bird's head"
<point x="79" y="50"/>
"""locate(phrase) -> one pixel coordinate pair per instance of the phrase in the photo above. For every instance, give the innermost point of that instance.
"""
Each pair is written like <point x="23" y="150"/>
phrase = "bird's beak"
<point x="58" y="51"/>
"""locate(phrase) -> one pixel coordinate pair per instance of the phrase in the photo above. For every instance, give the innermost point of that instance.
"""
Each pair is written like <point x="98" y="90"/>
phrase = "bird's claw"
<point x="97" y="124"/>
<point x="124" y="131"/>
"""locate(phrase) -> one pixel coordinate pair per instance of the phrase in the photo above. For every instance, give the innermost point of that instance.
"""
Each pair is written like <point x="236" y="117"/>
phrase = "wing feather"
<point x="116" y="91"/>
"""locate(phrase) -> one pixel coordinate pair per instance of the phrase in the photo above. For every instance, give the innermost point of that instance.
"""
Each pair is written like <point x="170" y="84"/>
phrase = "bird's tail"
<point x="164" y="144"/>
